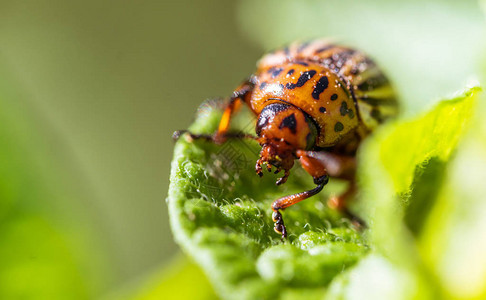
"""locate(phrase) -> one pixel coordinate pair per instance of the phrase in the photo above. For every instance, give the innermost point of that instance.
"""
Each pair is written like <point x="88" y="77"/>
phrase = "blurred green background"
<point x="91" y="91"/>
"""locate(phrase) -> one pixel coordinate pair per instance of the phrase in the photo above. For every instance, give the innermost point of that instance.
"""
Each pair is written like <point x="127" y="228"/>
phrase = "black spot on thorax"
<point x="289" y="122"/>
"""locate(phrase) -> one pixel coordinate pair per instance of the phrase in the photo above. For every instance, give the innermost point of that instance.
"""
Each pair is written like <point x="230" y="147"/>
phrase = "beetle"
<point x="314" y="101"/>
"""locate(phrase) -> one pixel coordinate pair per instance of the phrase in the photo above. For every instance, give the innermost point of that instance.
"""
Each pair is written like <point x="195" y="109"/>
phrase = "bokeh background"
<point x="91" y="91"/>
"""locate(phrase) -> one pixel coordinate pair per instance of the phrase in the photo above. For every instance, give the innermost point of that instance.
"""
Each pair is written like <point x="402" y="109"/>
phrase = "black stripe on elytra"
<point x="376" y="114"/>
<point x="263" y="85"/>
<point x="373" y="83"/>
<point x="303" y="46"/>
<point x="275" y="71"/>
<point x="303" y="63"/>
<point x="321" y="86"/>
<point x="289" y="122"/>
<point x="286" y="51"/>
<point x="379" y="101"/>
<point x="304" y="77"/>
<point x="290" y="72"/>
<point x="325" y="48"/>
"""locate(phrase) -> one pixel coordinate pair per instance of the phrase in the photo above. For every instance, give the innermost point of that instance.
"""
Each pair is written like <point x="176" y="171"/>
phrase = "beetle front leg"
<point x="317" y="163"/>
<point x="339" y="166"/>
<point x="239" y="95"/>
<point x="287" y="201"/>
<point x="211" y="137"/>
<point x="221" y="135"/>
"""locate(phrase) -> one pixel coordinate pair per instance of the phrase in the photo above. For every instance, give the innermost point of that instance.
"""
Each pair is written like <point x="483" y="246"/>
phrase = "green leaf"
<point x="48" y="247"/>
<point x="453" y="239"/>
<point x="403" y="172"/>
<point x="220" y="210"/>
<point x="220" y="214"/>
<point x="180" y="280"/>
<point x="406" y="150"/>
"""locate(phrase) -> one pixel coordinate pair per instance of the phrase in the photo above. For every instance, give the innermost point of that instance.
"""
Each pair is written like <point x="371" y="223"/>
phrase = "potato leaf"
<point x="405" y="193"/>
<point x="220" y="210"/>
<point x="220" y="215"/>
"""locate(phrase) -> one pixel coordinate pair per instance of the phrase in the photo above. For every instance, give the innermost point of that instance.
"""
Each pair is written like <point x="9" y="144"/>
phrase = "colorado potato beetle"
<point x="315" y="102"/>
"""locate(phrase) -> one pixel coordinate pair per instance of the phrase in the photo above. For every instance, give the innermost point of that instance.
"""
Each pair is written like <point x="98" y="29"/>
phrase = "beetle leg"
<point x="283" y="179"/>
<point x="210" y="137"/>
<point x="340" y="203"/>
<point x="287" y="201"/>
<point x="239" y="95"/>
<point x="222" y="134"/>
<point x="318" y="163"/>
<point x="339" y="166"/>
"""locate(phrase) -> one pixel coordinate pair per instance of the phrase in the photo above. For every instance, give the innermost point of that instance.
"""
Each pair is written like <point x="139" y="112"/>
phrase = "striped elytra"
<point x="340" y="88"/>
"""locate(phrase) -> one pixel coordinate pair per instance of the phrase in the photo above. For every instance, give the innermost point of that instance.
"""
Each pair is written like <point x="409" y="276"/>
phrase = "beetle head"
<point x="282" y="130"/>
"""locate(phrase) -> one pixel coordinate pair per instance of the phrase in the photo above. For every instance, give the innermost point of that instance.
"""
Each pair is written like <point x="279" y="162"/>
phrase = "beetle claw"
<point x="279" y="226"/>
<point x="283" y="179"/>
